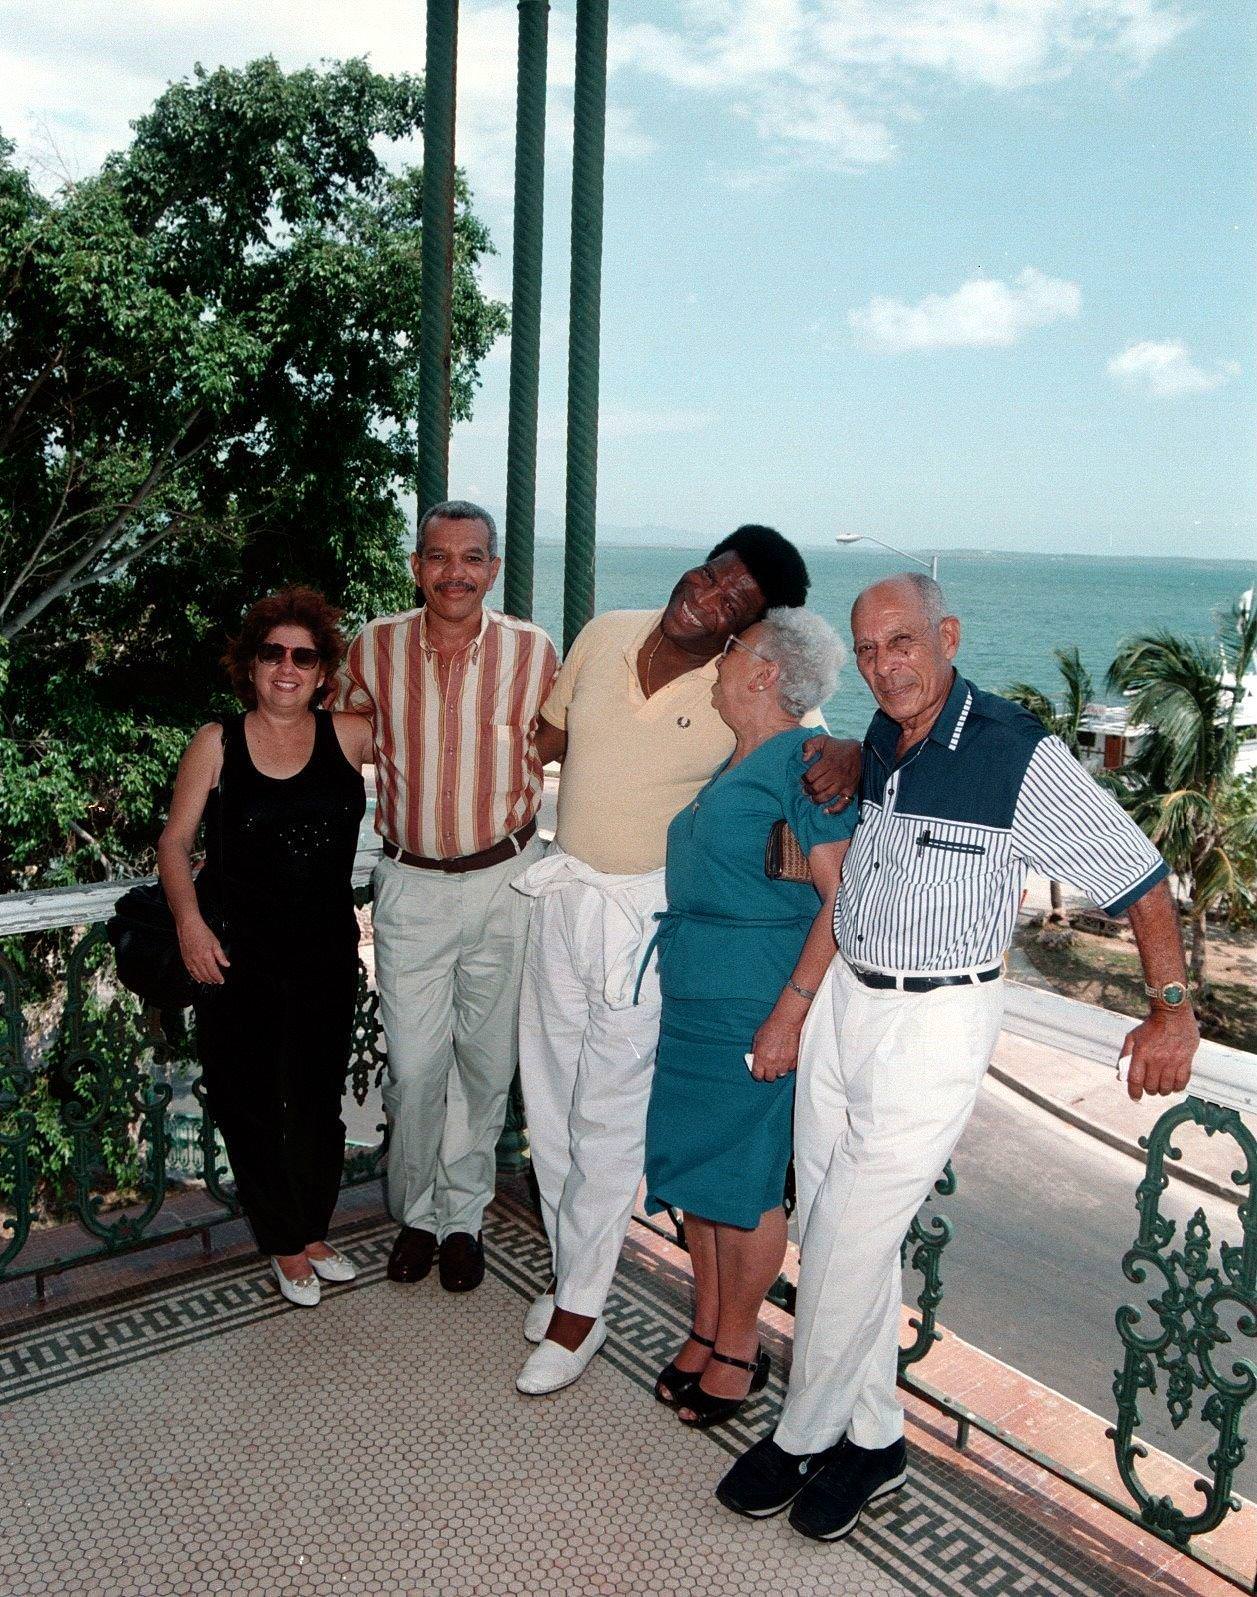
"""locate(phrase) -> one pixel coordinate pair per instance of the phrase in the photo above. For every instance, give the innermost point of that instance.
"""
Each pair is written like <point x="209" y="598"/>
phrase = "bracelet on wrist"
<point x="804" y="992"/>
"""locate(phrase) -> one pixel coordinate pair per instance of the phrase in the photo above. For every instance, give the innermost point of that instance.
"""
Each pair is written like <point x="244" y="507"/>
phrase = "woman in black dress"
<point x="281" y="789"/>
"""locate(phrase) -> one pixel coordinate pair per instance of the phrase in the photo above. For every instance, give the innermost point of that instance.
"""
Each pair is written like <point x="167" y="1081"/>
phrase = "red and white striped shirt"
<point x="456" y="765"/>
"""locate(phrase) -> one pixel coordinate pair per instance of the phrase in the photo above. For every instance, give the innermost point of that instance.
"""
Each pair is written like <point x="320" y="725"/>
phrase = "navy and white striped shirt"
<point x="935" y="872"/>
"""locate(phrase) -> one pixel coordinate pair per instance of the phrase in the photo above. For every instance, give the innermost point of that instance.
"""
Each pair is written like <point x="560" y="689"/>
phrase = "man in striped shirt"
<point x="454" y="691"/>
<point x="962" y="794"/>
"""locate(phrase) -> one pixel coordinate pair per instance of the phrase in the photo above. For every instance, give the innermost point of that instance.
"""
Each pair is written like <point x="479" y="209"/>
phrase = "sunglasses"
<point x="303" y="658"/>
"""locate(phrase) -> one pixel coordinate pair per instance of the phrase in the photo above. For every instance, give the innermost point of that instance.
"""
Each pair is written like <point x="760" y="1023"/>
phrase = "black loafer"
<point x="462" y="1262"/>
<point x="830" y="1505"/>
<point x="767" y="1479"/>
<point x="412" y="1255"/>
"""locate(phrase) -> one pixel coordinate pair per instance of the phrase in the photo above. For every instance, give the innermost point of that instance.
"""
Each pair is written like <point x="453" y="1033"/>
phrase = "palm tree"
<point x="1179" y="786"/>
<point x="1061" y="718"/>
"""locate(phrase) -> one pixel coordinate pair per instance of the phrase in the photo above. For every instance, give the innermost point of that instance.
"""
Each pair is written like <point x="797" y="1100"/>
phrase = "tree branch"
<point x="19" y="410"/>
<point x="69" y="579"/>
<point x="55" y="525"/>
<point x="85" y="836"/>
<point x="127" y="556"/>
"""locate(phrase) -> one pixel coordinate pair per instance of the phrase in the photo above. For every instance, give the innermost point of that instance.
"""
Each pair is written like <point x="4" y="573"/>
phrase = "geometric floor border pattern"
<point x="928" y="1538"/>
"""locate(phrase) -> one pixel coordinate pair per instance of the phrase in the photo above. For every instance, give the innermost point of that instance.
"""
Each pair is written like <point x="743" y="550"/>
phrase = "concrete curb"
<point x="1113" y="1139"/>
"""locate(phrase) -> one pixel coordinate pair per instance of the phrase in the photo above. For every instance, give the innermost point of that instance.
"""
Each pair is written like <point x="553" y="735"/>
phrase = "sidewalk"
<point x="1078" y="1084"/>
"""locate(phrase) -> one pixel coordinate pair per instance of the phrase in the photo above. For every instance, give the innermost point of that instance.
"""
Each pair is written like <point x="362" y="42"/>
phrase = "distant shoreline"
<point x="955" y="554"/>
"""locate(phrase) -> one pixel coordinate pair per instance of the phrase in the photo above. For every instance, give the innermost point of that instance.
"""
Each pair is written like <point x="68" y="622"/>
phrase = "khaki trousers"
<point x="449" y="951"/>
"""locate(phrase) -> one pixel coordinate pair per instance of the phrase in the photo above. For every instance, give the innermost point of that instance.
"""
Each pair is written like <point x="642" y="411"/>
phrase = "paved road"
<point x="1043" y="1215"/>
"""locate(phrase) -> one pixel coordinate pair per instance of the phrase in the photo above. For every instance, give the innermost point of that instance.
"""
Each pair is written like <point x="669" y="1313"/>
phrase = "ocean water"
<point x="1014" y="608"/>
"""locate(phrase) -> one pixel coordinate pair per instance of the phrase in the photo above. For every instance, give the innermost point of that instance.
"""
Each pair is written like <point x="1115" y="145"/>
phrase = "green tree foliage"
<point x="1181" y="786"/>
<point x="208" y="385"/>
<point x="1061" y="717"/>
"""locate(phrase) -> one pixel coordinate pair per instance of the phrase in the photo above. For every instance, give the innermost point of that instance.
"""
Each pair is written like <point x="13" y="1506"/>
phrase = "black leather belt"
<point x="923" y="984"/>
<point x="506" y="849"/>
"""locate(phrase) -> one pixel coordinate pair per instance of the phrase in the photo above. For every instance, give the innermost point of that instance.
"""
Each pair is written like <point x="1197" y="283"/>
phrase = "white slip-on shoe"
<point x="336" y="1267"/>
<point x="304" y="1293"/>
<point x="551" y="1367"/>
<point x="537" y="1320"/>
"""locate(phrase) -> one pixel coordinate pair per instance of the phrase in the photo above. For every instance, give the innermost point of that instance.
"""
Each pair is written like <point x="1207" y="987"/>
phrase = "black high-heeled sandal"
<point x="677" y="1381"/>
<point x="712" y="1410"/>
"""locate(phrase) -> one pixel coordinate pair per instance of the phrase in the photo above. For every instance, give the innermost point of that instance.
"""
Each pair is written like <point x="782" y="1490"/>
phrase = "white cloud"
<point x="826" y="81"/>
<point x="68" y="94"/>
<point x="982" y="313"/>
<point x="1166" y="369"/>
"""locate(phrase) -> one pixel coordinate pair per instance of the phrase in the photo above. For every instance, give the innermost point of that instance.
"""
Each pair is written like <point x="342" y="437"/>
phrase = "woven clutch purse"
<point x="784" y="859"/>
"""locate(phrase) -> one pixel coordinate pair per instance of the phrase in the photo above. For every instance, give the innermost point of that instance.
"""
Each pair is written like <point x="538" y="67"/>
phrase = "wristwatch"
<point x="1173" y="995"/>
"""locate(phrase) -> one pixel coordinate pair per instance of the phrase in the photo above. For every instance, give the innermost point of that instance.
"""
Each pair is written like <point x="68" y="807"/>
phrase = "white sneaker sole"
<point x="765" y="1513"/>
<point x="884" y="1490"/>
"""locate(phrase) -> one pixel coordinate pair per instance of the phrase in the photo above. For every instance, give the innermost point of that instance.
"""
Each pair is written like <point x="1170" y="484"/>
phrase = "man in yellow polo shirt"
<point x="630" y="716"/>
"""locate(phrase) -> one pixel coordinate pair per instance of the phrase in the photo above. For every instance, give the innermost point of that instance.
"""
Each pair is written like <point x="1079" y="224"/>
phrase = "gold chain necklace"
<point x="650" y="660"/>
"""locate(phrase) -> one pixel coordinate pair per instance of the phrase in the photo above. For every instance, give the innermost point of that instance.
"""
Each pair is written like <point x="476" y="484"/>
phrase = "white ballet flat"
<point x="537" y="1320"/>
<point x="550" y="1367"/>
<point x="304" y="1293"/>
<point x="336" y="1267"/>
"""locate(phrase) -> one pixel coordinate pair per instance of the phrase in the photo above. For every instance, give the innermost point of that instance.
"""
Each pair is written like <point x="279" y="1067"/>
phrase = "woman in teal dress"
<point x="740" y="957"/>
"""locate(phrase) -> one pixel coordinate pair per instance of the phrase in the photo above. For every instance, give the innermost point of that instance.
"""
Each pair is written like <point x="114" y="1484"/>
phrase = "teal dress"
<point x="718" y="1141"/>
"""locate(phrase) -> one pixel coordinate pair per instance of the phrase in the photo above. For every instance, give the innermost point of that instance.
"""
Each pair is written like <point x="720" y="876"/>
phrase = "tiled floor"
<point x="198" y="1435"/>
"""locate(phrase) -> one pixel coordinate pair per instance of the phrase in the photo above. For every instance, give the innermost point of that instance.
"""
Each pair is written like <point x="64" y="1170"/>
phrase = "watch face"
<point x="1173" y="993"/>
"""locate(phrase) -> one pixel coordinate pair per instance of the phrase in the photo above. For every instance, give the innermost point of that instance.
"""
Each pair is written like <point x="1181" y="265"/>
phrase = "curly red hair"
<point x="294" y="606"/>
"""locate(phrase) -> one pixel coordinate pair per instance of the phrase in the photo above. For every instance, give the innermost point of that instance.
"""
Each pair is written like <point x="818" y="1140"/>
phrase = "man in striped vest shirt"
<point x="454" y="691"/>
<point x="962" y="794"/>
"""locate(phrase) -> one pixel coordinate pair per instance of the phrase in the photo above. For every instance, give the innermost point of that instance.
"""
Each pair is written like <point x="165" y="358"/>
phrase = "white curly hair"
<point x="808" y="652"/>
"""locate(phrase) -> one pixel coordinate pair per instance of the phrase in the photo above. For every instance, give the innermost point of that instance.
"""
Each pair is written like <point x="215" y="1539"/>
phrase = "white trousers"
<point x="887" y="1082"/>
<point x="449" y="952"/>
<point x="586" y="1069"/>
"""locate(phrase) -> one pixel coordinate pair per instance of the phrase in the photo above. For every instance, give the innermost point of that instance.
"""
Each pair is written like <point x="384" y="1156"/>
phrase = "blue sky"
<point x="950" y="272"/>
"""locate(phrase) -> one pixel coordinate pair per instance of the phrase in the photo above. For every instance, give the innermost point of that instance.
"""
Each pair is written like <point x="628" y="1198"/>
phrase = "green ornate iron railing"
<point x="102" y="1120"/>
<point x="1190" y="1337"/>
<point x="104" y="1117"/>
<point x="1188" y="1342"/>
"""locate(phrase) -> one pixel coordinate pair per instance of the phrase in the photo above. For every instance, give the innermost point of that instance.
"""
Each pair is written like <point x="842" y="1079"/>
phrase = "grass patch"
<point x="1105" y="971"/>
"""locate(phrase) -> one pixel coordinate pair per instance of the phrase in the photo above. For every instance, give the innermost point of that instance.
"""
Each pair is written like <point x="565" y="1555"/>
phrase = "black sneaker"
<point x="767" y="1479"/>
<point x="830" y="1505"/>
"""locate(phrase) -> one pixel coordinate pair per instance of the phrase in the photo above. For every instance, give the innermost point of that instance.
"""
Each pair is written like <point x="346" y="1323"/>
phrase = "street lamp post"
<point x="930" y="565"/>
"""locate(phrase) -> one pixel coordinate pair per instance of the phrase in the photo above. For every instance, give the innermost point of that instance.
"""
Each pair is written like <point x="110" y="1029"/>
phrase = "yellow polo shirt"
<point x="632" y="762"/>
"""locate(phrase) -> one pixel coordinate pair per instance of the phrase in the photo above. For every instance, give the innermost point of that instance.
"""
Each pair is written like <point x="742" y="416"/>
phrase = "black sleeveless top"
<point x="280" y="850"/>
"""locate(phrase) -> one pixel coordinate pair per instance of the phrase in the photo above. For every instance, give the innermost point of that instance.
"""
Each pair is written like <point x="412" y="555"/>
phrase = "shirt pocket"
<point x="941" y="852"/>
<point x="510" y="753"/>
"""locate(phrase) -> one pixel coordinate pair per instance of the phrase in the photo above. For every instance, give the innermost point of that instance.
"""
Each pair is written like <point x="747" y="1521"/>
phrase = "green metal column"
<point x="521" y="434"/>
<point x="589" y="140"/>
<point x="440" y="73"/>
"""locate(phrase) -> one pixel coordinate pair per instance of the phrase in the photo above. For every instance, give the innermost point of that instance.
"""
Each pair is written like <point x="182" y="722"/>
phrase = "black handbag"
<point x="146" y="942"/>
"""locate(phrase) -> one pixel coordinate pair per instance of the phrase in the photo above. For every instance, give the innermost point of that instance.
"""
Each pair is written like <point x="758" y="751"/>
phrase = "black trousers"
<point x="274" y="1046"/>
